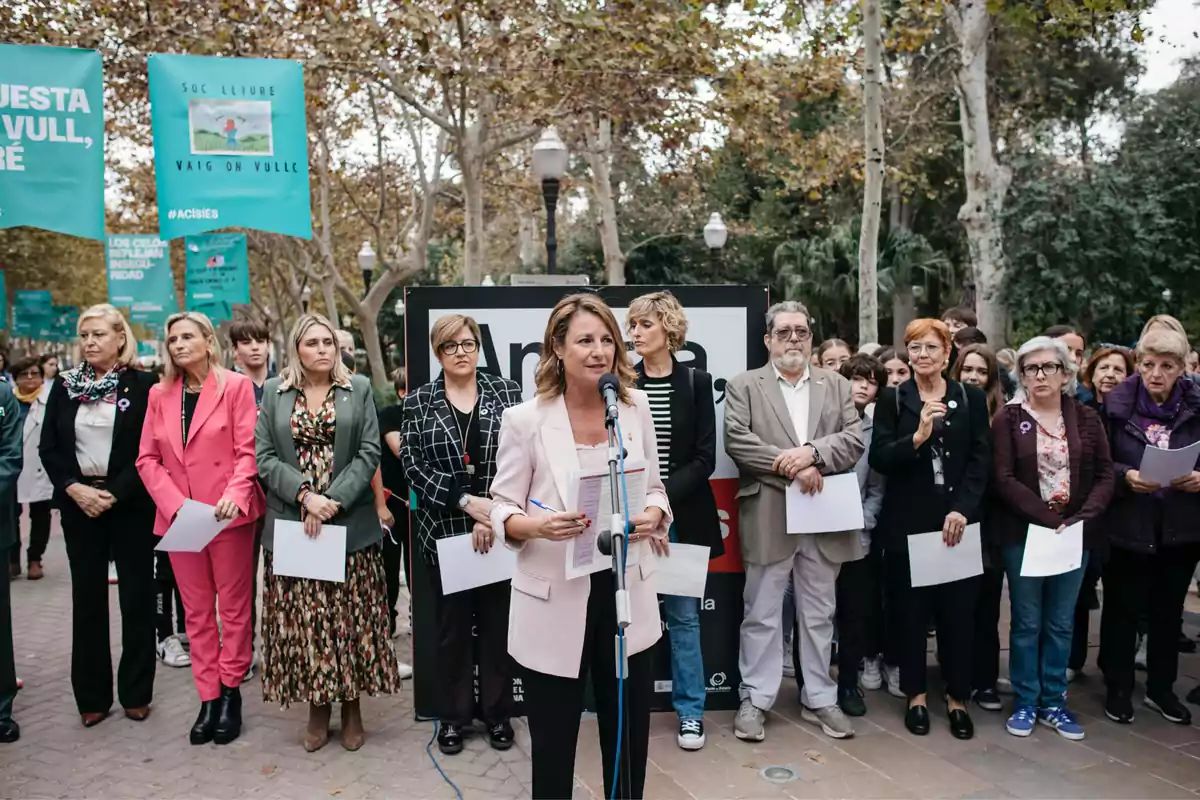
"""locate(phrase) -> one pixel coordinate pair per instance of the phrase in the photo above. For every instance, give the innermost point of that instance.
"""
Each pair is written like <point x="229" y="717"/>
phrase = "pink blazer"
<point x="536" y="455"/>
<point x="219" y="458"/>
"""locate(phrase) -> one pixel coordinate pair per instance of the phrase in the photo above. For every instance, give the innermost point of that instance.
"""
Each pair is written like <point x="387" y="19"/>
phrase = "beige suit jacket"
<point x="757" y="428"/>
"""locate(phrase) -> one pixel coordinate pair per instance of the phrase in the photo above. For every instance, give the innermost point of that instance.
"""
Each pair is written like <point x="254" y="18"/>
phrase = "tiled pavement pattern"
<point x="56" y="757"/>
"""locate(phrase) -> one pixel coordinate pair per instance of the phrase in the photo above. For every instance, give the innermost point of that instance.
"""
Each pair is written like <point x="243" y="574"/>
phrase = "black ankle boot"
<point x="10" y="731"/>
<point x="202" y="731"/>
<point x="229" y="716"/>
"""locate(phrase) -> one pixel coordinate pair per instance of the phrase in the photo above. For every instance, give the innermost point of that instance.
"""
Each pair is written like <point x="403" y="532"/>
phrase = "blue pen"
<point x="544" y="507"/>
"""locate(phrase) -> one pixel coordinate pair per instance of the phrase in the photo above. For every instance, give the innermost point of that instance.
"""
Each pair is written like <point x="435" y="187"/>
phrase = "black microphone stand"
<point x="613" y="541"/>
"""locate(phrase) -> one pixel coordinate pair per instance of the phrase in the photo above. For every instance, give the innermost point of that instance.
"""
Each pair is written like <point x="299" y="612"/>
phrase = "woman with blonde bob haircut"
<point x="91" y="435"/>
<point x="562" y="628"/>
<point x="198" y="444"/>
<point x="317" y="445"/>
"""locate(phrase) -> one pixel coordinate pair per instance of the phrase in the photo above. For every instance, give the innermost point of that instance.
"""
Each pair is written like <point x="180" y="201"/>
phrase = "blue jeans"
<point x="687" y="662"/>
<point x="1043" y="617"/>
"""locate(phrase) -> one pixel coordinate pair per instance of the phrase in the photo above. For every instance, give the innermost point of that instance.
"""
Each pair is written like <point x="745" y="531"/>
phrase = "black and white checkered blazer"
<point x="432" y="455"/>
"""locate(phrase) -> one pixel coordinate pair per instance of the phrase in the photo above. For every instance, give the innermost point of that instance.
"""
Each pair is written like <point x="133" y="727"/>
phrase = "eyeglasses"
<point x="450" y="348"/>
<point x="786" y="334"/>
<point x="917" y="348"/>
<point x="1032" y="370"/>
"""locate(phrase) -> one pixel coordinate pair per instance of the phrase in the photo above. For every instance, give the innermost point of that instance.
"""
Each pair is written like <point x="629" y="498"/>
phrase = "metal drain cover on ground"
<point x="778" y="774"/>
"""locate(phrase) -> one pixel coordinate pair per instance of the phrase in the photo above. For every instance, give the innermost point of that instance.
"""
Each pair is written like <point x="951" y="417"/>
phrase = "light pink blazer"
<point x="219" y="458"/>
<point x="535" y="457"/>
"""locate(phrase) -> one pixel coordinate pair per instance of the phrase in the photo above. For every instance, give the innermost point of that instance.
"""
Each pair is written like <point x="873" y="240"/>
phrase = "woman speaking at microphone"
<point x="559" y="629"/>
<point x="198" y="443"/>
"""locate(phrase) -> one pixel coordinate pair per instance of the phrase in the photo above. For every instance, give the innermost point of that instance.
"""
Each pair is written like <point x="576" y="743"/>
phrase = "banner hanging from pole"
<point x="218" y="274"/>
<point x="52" y="139"/>
<point x="33" y="314"/>
<point x="230" y="145"/>
<point x="140" y="277"/>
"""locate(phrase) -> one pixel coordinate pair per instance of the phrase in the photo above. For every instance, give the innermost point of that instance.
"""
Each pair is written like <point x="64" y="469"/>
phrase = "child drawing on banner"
<point x="231" y="133"/>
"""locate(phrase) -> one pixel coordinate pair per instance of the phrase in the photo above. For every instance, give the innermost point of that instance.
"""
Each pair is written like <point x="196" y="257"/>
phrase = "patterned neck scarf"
<point x="82" y="384"/>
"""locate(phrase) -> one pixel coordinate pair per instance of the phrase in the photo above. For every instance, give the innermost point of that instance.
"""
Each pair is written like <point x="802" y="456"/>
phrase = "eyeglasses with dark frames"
<point x="1032" y="370"/>
<point x="450" y="348"/>
<point x="786" y="334"/>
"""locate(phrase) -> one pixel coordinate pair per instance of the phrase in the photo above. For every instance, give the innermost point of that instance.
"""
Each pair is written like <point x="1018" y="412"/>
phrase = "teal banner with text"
<point x="218" y="274"/>
<point x="140" y="277"/>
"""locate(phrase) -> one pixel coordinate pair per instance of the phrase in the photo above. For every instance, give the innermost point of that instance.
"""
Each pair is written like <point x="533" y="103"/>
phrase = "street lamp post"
<point x="366" y="262"/>
<point x="549" y="164"/>
<point x="305" y="296"/>
<point x="715" y="236"/>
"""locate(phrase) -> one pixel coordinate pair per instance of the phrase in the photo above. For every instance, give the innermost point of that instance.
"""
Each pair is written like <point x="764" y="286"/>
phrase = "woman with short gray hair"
<point x="1050" y="467"/>
<point x="1154" y="530"/>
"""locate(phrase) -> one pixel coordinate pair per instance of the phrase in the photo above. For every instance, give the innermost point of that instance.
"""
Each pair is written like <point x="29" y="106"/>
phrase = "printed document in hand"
<point x="1162" y="466"/>
<point x="588" y="492"/>
<point x="299" y="556"/>
<point x="684" y="572"/>
<point x="463" y="568"/>
<point x="837" y="507"/>
<point x="1048" y="553"/>
<point x="931" y="562"/>
<point x="194" y="527"/>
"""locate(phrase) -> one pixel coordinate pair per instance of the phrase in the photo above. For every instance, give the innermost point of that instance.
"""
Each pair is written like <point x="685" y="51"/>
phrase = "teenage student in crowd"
<point x="977" y="366"/>
<point x="397" y="541"/>
<point x="1154" y="530"/>
<point x="832" y="354"/>
<point x="10" y="468"/>
<point x="860" y="581"/>
<point x="783" y="422"/>
<point x="90" y="439"/>
<point x="317" y="445"/>
<point x="685" y="425"/>
<point x="198" y="444"/>
<point x="451" y="431"/>
<point x="895" y="364"/>
<point x="1051" y="468"/>
<point x="931" y="443"/>
<point x="562" y="631"/>
<point x="34" y="490"/>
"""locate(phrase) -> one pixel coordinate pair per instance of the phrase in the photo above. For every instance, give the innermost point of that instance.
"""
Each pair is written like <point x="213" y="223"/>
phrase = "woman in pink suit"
<point x="198" y="443"/>
<point x="561" y="630"/>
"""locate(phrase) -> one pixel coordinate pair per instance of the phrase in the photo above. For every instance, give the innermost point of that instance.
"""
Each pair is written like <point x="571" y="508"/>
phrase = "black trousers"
<point x="127" y="537"/>
<point x="395" y="555"/>
<point x="258" y="536"/>
<point x="1129" y="579"/>
<point x="859" y="616"/>
<point x="464" y="619"/>
<point x="8" y="666"/>
<point x="1084" y="605"/>
<point x="168" y="602"/>
<point x="952" y="605"/>
<point x="553" y="705"/>
<point x="39" y="533"/>
<point x="985" y="651"/>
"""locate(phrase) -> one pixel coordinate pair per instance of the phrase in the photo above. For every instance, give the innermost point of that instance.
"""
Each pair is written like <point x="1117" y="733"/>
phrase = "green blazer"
<point x="12" y="454"/>
<point x="355" y="459"/>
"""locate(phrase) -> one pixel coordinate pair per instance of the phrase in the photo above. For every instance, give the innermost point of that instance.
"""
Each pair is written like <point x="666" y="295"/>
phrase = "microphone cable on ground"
<point x="429" y="752"/>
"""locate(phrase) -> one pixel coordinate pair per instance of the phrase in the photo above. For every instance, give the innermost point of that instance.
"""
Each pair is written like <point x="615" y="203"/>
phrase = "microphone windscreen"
<point x="608" y="381"/>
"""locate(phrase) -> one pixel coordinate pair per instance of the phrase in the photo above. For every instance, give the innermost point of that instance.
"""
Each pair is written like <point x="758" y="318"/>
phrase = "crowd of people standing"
<point x="941" y="431"/>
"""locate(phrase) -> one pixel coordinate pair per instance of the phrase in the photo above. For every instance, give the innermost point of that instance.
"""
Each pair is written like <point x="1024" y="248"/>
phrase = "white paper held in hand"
<point x="1048" y="553"/>
<point x="463" y="568"/>
<point x="1162" y="466"/>
<point x="684" y="572"/>
<point x="297" y="555"/>
<point x="588" y="493"/>
<point x="194" y="527"/>
<point x="837" y="507"/>
<point x="931" y="562"/>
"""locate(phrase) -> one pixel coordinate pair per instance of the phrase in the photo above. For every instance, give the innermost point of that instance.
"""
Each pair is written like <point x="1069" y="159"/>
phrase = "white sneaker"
<point x="691" y="734"/>
<point x="171" y="651"/>
<point x="1072" y="675"/>
<point x="405" y="671"/>
<point x="112" y="573"/>
<point x="892" y="675"/>
<point x="831" y="719"/>
<point x="185" y="641"/>
<point x="1139" y="660"/>
<point x="871" y="678"/>
<point x="1004" y="686"/>
<point x="748" y="725"/>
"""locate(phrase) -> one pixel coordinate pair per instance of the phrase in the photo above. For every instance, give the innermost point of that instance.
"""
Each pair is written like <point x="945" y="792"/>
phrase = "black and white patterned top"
<point x="659" y="391"/>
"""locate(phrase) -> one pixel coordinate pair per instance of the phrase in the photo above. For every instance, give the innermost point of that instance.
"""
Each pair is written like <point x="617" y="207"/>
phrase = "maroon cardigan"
<point x="1015" y="474"/>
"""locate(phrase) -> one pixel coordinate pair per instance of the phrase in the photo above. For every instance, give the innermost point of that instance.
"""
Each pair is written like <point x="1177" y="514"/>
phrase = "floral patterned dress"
<point x="325" y="642"/>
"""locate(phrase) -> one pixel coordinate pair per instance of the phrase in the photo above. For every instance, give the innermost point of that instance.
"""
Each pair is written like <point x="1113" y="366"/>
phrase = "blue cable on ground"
<point x="621" y="631"/>
<point x="429" y="752"/>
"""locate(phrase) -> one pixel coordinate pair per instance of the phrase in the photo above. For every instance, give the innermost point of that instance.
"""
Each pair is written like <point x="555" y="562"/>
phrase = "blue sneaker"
<point x="1062" y="721"/>
<point x="1022" y="721"/>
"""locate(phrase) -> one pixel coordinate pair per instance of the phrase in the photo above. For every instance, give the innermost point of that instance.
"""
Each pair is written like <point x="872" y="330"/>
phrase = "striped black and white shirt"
<point x="659" y="391"/>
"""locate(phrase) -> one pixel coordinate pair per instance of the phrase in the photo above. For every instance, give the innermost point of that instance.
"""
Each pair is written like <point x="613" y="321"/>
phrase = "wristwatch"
<point x="463" y="500"/>
<point x="818" y="462"/>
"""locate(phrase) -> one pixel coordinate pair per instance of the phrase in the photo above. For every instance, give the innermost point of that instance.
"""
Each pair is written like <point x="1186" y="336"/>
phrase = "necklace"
<point x="462" y="437"/>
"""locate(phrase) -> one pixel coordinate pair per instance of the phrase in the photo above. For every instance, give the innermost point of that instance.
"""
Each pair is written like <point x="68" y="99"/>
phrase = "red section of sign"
<point x="725" y="490"/>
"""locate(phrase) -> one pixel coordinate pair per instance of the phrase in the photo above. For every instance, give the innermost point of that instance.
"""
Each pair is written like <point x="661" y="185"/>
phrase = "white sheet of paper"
<point x="588" y="492"/>
<point x="838" y="507"/>
<point x="1048" y="553"/>
<point x="684" y="572"/>
<point x="298" y="556"/>
<point x="194" y="527"/>
<point x="1163" y="466"/>
<point x="462" y="568"/>
<point x="931" y="562"/>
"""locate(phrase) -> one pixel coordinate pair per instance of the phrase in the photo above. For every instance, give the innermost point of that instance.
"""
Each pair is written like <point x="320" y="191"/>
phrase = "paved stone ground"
<point x="56" y="757"/>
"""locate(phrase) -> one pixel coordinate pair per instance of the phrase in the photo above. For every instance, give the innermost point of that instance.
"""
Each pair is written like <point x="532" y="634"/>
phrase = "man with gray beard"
<point x="785" y="422"/>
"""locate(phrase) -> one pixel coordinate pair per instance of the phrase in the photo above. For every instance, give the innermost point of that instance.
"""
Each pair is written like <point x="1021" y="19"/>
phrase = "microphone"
<point x="610" y="387"/>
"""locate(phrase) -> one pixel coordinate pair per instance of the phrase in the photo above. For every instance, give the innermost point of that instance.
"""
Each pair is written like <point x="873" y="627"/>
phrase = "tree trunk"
<point x="598" y="153"/>
<point x="330" y="298"/>
<point x="868" y="244"/>
<point x="527" y="242"/>
<point x="380" y="378"/>
<point x="904" y="311"/>
<point x="987" y="180"/>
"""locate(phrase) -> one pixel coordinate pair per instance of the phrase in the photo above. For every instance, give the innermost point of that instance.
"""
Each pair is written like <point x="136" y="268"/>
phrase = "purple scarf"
<point x="1155" y="420"/>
